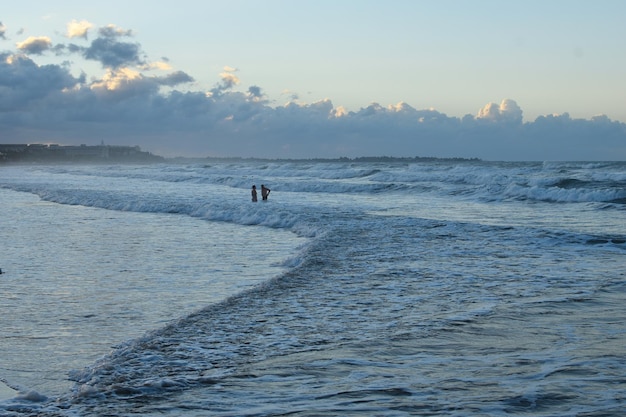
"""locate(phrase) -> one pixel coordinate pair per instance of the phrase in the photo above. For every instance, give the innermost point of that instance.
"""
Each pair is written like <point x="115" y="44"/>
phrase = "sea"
<point x="359" y="288"/>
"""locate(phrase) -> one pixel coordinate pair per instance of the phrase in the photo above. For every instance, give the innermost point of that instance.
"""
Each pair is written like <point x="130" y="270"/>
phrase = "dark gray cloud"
<point x="107" y="49"/>
<point x="46" y="103"/>
<point x="112" y="31"/>
<point x="3" y="31"/>
<point x="35" y="45"/>
<point x="23" y="83"/>
<point x="256" y="92"/>
<point x="228" y="81"/>
<point x="175" y="78"/>
<point x="113" y="54"/>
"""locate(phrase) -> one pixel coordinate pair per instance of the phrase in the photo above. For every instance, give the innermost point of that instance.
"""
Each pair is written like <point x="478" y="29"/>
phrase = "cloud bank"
<point x="137" y="101"/>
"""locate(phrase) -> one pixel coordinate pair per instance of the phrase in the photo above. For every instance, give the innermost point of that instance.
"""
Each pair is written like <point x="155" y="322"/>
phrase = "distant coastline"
<point x="54" y="153"/>
<point x="406" y="159"/>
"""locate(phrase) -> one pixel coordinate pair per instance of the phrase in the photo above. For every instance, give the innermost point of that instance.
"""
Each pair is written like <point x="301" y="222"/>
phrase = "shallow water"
<point x="79" y="280"/>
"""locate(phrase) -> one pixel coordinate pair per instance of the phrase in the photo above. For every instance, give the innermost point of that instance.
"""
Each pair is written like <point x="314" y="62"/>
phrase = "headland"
<point x="54" y="153"/>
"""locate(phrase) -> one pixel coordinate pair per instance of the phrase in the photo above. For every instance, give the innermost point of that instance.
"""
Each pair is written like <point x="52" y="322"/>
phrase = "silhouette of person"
<point x="254" y="193"/>
<point x="265" y="192"/>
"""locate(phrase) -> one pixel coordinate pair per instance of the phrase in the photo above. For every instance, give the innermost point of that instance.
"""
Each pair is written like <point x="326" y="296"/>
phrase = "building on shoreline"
<point x="52" y="153"/>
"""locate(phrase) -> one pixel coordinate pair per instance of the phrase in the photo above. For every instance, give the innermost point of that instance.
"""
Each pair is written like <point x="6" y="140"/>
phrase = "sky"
<point x="512" y="80"/>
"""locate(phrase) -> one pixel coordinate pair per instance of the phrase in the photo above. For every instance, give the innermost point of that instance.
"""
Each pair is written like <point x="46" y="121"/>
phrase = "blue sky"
<point x="273" y="60"/>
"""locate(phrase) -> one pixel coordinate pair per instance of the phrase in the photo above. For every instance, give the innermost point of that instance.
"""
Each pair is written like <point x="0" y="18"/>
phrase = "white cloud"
<point x="511" y="111"/>
<point x="115" y="80"/>
<point x="76" y="29"/>
<point x="229" y="79"/>
<point x="506" y="111"/>
<point x="339" y="111"/>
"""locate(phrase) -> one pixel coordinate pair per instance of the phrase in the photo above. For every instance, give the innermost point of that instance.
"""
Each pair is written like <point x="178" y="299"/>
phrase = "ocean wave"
<point x="221" y="211"/>
<point x="479" y="182"/>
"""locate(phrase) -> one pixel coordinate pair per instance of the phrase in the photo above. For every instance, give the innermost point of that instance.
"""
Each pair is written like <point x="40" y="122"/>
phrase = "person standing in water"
<point x="265" y="192"/>
<point x="254" y="200"/>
